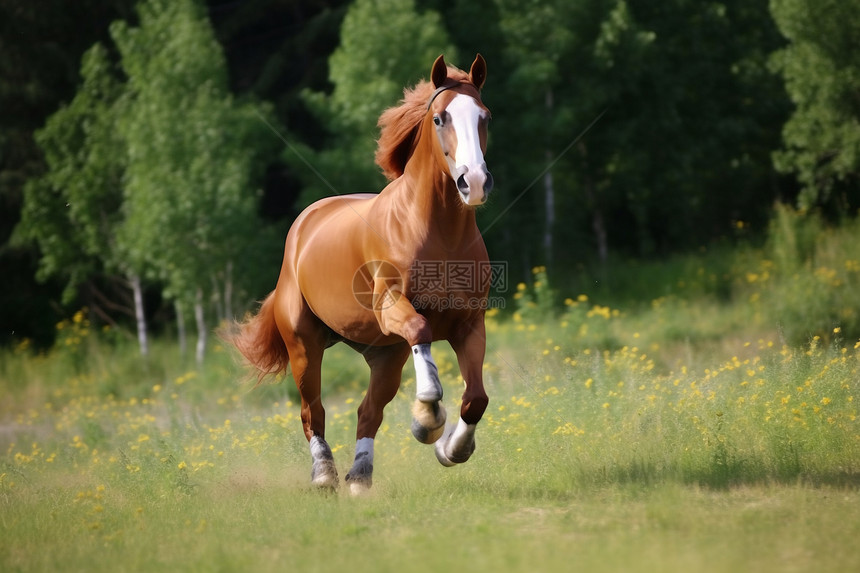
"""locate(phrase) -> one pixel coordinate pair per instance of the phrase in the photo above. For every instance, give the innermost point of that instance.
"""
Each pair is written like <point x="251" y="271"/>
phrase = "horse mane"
<point x="399" y="125"/>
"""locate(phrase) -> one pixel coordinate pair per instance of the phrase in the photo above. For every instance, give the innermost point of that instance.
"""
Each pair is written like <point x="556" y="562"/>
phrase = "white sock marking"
<point x="364" y="446"/>
<point x="427" y="385"/>
<point x="319" y="449"/>
<point x="463" y="435"/>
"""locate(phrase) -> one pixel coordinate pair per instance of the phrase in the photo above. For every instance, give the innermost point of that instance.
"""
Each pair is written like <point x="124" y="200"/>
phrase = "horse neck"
<point x="432" y="195"/>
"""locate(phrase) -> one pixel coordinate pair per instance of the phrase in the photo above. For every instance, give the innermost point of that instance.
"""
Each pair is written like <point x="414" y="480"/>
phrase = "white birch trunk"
<point x="139" y="315"/>
<point x="200" y="319"/>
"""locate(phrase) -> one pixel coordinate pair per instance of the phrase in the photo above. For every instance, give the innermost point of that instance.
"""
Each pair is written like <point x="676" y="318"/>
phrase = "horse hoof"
<point x="426" y="435"/>
<point x="324" y="475"/>
<point x="452" y="459"/>
<point x="449" y="456"/>
<point x="442" y="457"/>
<point x="325" y="486"/>
<point x="360" y="478"/>
<point x="359" y="487"/>
<point x="428" y="421"/>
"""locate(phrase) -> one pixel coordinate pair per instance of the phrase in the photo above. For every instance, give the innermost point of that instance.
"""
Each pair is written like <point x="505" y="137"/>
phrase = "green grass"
<point x="424" y="521"/>
<point x="687" y="432"/>
<point x="189" y="471"/>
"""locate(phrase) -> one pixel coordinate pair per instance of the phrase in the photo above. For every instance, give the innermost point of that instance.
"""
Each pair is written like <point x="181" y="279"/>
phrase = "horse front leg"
<point x="458" y="442"/>
<point x="428" y="414"/>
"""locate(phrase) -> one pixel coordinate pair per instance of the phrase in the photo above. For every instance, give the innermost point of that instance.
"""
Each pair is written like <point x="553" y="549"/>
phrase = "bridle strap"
<point x="440" y="89"/>
<point x="450" y="86"/>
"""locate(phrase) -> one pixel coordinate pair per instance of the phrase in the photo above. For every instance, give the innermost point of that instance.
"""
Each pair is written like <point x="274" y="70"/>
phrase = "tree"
<point x="194" y="153"/>
<point x="368" y="74"/>
<point x="571" y="62"/>
<point x="691" y="122"/>
<point x="153" y="178"/>
<point x="41" y="44"/>
<point x="684" y="117"/>
<point x="821" y="69"/>
<point x="73" y="211"/>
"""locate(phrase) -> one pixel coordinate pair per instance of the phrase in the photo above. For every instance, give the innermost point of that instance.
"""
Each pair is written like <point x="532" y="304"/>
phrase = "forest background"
<point x="153" y="156"/>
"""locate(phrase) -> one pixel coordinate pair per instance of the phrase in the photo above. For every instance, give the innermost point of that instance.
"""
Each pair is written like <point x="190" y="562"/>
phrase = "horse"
<point x="368" y="270"/>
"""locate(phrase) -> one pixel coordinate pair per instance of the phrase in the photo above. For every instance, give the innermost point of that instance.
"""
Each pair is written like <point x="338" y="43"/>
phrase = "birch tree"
<point x="193" y="153"/>
<point x="73" y="211"/>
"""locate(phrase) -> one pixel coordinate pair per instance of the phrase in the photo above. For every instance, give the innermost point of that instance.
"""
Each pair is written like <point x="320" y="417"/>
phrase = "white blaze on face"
<point x="469" y="158"/>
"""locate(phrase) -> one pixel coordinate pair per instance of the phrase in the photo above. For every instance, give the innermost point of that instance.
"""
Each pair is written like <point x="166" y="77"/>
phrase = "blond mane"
<point x="399" y="125"/>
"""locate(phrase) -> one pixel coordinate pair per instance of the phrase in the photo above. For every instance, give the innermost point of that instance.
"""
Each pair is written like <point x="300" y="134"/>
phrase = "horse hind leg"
<point x="323" y="471"/>
<point x="305" y="345"/>
<point x="386" y="368"/>
<point x="428" y="414"/>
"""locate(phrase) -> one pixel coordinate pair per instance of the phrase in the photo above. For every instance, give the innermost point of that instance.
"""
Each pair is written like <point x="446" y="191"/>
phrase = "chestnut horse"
<point x="353" y="267"/>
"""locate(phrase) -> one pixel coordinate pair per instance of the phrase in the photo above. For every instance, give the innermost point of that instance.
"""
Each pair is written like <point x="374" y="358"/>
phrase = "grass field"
<point x="688" y="432"/>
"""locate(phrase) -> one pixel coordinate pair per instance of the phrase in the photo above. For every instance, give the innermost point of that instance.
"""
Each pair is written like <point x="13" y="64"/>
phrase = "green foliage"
<point x="808" y="279"/>
<point x="41" y="44"/>
<point x="678" y="127"/>
<point x="804" y="283"/>
<point x="368" y="75"/>
<point x="40" y="49"/>
<point x="535" y="302"/>
<point x="821" y="69"/>
<point x="153" y="176"/>
<point x="160" y="164"/>
<point x="792" y="237"/>
<point x="73" y="211"/>
<point x="194" y="151"/>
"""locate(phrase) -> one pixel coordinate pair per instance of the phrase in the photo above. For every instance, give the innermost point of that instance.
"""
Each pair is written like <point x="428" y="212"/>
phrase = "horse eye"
<point x="437" y="120"/>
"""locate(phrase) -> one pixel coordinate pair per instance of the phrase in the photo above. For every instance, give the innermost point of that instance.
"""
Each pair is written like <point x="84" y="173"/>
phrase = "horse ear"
<point x="478" y="73"/>
<point x="440" y="72"/>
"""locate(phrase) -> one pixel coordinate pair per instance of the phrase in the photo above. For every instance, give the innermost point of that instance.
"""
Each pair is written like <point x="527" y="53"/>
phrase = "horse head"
<point x="460" y="119"/>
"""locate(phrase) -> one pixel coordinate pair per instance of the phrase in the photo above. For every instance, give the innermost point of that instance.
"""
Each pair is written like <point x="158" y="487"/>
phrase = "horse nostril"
<point x="488" y="184"/>
<point x="461" y="183"/>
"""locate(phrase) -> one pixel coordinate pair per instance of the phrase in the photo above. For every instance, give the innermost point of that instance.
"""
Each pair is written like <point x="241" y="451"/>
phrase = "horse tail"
<point x="258" y="339"/>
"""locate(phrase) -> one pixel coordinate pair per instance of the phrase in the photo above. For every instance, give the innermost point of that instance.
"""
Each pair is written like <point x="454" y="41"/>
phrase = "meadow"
<point x="701" y="419"/>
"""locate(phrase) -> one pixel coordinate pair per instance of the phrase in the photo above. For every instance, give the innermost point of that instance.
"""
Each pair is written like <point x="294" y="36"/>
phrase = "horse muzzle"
<point x="474" y="185"/>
